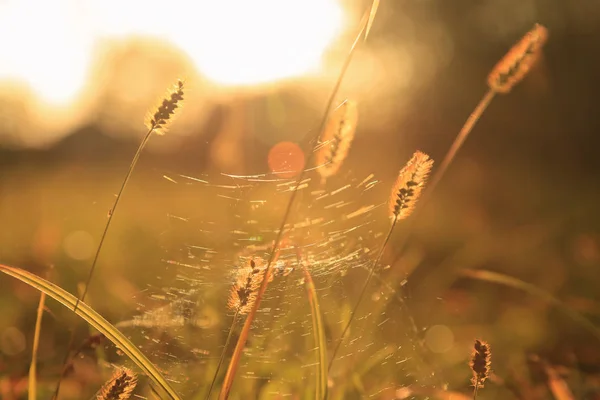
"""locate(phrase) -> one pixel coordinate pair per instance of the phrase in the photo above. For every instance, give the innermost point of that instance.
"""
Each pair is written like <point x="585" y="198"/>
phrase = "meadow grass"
<point x="329" y="148"/>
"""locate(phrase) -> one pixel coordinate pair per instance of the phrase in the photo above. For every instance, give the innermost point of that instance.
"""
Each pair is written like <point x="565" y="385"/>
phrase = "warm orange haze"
<point x="299" y="199"/>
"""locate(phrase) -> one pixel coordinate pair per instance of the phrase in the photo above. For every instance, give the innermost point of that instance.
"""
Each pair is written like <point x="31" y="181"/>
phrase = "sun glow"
<point x="43" y="45"/>
<point x="49" y="45"/>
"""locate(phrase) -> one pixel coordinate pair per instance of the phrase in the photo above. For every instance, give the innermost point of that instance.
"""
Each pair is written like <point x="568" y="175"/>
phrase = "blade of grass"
<point x="97" y="321"/>
<point x="32" y="393"/>
<point x="319" y="334"/>
<point x="515" y="283"/>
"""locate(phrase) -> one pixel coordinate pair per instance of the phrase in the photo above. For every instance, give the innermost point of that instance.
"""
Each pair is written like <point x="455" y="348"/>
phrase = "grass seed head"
<point x="119" y="386"/>
<point x="245" y="288"/>
<point x="513" y="67"/>
<point x="481" y="360"/>
<point x="409" y="185"/>
<point x="337" y="138"/>
<point x="166" y="109"/>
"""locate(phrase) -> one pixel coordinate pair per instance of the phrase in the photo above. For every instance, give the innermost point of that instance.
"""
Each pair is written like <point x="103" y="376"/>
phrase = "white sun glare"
<point x="44" y="45"/>
<point x="49" y="45"/>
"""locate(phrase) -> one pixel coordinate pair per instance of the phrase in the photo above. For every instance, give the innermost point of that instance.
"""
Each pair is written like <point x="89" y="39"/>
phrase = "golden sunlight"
<point x="44" y="45"/>
<point x="49" y="45"/>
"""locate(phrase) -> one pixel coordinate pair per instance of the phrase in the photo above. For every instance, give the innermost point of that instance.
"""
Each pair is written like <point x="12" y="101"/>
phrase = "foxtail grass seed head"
<point x="245" y="289"/>
<point x="164" y="112"/>
<point x="513" y="67"/>
<point x="119" y="386"/>
<point x="337" y="138"/>
<point x="408" y="186"/>
<point x="481" y="360"/>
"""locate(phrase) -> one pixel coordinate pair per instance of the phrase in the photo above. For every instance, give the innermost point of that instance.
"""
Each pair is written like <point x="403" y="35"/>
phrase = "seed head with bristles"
<point x="337" y="138"/>
<point x="244" y="291"/>
<point x="481" y="360"/>
<point x="119" y="386"/>
<point x="513" y="67"/>
<point x="408" y="186"/>
<point x="164" y="112"/>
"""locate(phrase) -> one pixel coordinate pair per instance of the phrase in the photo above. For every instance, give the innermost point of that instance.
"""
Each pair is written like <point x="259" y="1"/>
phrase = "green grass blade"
<point x="97" y="321"/>
<point x="319" y="333"/>
<point x="501" y="279"/>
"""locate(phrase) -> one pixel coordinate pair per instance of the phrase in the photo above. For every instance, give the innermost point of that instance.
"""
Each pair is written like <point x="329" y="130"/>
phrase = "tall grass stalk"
<point x="508" y="72"/>
<point x="233" y="364"/>
<point x="32" y="392"/>
<point x="404" y="196"/>
<point x="155" y="124"/>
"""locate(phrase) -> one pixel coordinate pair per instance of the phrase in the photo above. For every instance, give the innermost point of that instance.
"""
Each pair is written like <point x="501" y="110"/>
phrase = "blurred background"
<point x="77" y="79"/>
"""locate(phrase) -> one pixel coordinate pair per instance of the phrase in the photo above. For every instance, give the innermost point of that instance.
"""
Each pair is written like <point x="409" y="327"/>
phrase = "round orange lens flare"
<point x="286" y="160"/>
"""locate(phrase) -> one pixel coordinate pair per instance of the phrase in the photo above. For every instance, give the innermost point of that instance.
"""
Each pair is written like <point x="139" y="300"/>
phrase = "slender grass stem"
<point x="475" y="391"/>
<point x="111" y="213"/>
<point x="32" y="393"/>
<point x="459" y="140"/>
<point x="448" y="158"/>
<point x="362" y="293"/>
<point x="233" y="364"/>
<point x="222" y="358"/>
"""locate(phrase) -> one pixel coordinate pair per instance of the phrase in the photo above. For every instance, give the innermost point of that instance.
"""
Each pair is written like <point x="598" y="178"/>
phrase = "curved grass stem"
<point x="88" y="314"/>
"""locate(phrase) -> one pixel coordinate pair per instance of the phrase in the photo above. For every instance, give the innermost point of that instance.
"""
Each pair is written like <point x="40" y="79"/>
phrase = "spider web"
<point x="336" y="229"/>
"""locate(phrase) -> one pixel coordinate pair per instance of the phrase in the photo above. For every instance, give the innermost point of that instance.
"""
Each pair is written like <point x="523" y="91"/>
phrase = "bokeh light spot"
<point x="286" y="159"/>
<point x="79" y="245"/>
<point x="439" y="339"/>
